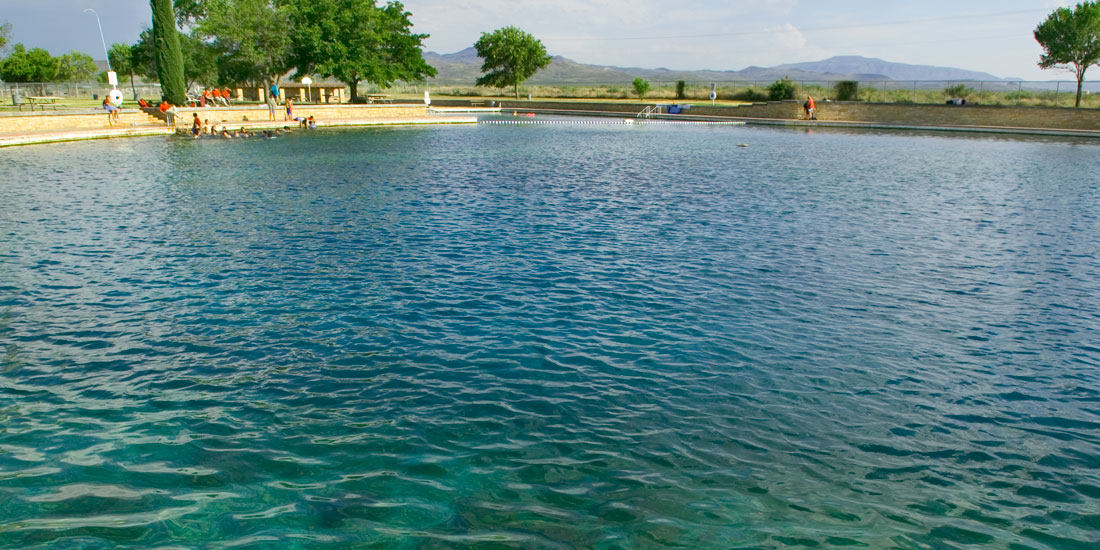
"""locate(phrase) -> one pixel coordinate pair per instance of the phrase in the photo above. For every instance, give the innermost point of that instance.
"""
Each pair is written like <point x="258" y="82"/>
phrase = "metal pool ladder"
<point x="649" y="111"/>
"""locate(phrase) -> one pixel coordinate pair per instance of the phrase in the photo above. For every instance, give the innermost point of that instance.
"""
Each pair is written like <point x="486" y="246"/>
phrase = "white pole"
<point x="101" y="39"/>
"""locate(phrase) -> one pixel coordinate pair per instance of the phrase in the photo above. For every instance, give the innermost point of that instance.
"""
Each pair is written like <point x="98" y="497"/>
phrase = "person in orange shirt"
<point x="811" y="111"/>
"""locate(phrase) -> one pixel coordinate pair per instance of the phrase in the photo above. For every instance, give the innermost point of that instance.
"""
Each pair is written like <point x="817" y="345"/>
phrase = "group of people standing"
<point x="273" y="104"/>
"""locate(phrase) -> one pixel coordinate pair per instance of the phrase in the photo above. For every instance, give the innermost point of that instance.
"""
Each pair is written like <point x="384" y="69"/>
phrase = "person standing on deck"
<point x="810" y="109"/>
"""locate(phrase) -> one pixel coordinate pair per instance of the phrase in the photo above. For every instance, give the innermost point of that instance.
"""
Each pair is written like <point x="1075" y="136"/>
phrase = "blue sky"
<point x="983" y="35"/>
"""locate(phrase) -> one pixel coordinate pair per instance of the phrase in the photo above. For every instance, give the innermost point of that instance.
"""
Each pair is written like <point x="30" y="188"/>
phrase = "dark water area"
<point x="551" y="337"/>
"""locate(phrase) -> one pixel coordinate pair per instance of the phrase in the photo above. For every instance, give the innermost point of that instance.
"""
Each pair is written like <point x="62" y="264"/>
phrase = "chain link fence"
<point x="75" y="90"/>
<point x="999" y="92"/>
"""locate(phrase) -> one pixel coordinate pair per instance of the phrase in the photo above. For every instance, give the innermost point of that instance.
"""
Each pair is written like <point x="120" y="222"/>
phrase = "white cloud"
<point x="787" y="37"/>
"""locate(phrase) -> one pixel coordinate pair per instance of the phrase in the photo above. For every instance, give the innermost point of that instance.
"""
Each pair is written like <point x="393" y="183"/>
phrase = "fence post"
<point x="981" y="92"/>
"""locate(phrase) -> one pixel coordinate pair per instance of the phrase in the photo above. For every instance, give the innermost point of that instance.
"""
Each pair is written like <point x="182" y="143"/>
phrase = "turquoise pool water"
<point x="551" y="337"/>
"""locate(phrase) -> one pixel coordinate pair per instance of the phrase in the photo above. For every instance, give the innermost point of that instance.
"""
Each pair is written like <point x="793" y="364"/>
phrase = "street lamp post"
<point x="112" y="79"/>
<point x="101" y="39"/>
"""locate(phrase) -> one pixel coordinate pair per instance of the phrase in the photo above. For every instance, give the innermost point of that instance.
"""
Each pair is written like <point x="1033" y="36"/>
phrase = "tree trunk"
<point x="517" y="91"/>
<point x="354" y="85"/>
<point x="1080" y="84"/>
<point x="166" y="41"/>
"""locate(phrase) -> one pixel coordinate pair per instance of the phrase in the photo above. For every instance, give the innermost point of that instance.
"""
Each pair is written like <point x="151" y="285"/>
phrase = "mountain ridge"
<point x="464" y="67"/>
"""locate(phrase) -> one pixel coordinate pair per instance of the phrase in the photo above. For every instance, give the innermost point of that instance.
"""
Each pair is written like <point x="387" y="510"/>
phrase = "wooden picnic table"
<point x="40" y="100"/>
<point x="371" y="98"/>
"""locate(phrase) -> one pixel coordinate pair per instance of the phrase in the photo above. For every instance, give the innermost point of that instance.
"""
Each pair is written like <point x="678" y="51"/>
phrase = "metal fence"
<point x="73" y="90"/>
<point x="1003" y="92"/>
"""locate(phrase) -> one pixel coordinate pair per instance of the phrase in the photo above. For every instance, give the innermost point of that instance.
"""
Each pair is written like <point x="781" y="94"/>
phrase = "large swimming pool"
<point x="607" y="337"/>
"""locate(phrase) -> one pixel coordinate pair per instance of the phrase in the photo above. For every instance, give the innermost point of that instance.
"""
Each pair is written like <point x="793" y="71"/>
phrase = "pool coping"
<point x="85" y="134"/>
<point x="59" y="136"/>
<point x="834" y="123"/>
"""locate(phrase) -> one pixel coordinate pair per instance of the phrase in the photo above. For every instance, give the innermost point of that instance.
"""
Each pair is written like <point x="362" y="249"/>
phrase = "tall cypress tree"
<point x="166" y="41"/>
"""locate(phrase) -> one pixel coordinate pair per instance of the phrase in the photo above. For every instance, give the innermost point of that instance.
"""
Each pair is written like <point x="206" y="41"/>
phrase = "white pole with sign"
<point x="309" y="86"/>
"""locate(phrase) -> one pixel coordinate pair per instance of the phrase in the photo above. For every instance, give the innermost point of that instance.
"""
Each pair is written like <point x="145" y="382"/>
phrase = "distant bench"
<point x="41" y="101"/>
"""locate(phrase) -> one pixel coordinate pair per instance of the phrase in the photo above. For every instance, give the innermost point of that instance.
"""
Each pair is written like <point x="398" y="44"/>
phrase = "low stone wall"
<point x="229" y="115"/>
<point x="771" y="109"/>
<point x="903" y="114"/>
<point x="68" y="121"/>
<point x="1061" y="118"/>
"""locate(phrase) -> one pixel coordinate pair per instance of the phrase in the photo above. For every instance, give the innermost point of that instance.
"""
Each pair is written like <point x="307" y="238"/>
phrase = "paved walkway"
<point x="80" y="134"/>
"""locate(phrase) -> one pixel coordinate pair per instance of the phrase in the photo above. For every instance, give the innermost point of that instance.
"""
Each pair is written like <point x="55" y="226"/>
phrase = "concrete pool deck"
<point x="1056" y="122"/>
<point x="32" y="137"/>
<point x="54" y="128"/>
<point x="810" y="124"/>
<point x="989" y="119"/>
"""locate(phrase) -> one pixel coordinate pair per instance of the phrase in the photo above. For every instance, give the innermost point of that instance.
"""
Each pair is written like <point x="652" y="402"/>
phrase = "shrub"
<point x="782" y="89"/>
<point x="898" y="96"/>
<point x="641" y="86"/>
<point x="958" y="90"/>
<point x="846" y="90"/>
<point x="680" y="85"/>
<point x="750" y="94"/>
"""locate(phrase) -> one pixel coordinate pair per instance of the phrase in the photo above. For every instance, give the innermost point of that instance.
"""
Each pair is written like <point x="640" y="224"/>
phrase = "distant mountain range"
<point x="464" y="68"/>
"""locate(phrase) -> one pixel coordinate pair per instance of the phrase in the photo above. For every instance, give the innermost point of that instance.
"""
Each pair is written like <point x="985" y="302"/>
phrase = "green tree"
<point x="846" y="90"/>
<point x="680" y="85"/>
<point x="5" y="32"/>
<point x="782" y="89"/>
<point x="200" y="61"/>
<point x="252" y="39"/>
<point x="641" y="86"/>
<point x="34" y="65"/>
<point x="189" y="11"/>
<point x="511" y="56"/>
<point x="143" y="55"/>
<point x="121" y="57"/>
<point x="200" y="58"/>
<point x="1070" y="38"/>
<point x="356" y="40"/>
<point x="169" y="58"/>
<point x="75" y="67"/>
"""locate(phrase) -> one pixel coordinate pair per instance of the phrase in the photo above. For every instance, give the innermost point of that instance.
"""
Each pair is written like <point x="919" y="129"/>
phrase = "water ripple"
<point x="553" y="337"/>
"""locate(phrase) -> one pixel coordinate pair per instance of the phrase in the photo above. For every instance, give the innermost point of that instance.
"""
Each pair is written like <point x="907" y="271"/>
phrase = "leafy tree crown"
<point x="511" y="56"/>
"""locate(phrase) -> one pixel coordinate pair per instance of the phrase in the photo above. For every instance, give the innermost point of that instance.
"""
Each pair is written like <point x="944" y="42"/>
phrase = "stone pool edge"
<point x="70" y="135"/>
